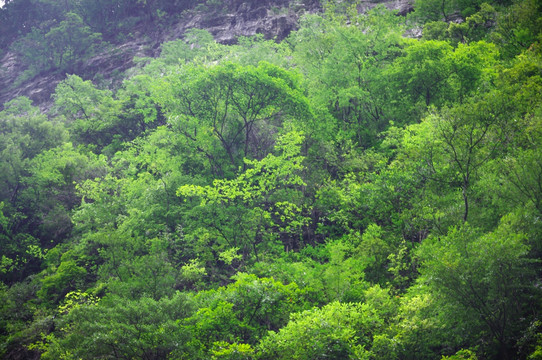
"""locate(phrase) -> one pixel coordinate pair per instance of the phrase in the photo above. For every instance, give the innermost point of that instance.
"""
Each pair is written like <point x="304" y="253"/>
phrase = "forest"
<point x="352" y="191"/>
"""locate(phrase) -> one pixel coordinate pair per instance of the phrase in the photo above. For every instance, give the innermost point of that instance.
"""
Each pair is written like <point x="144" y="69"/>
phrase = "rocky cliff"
<point x="275" y="19"/>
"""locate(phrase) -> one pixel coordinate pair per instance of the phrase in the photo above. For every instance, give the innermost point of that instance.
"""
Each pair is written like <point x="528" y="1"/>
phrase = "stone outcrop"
<point x="403" y="7"/>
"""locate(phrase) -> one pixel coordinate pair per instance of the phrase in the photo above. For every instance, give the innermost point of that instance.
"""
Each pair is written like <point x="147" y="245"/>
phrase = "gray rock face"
<point x="226" y="28"/>
<point x="403" y="7"/>
<point x="40" y="88"/>
<point x="275" y="19"/>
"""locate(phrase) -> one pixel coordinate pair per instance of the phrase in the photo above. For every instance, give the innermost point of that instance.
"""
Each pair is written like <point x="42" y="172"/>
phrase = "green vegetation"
<point x="348" y="193"/>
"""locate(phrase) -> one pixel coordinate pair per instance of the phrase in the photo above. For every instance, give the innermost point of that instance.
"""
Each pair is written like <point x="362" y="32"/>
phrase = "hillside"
<point x="274" y="19"/>
<point x="271" y="179"/>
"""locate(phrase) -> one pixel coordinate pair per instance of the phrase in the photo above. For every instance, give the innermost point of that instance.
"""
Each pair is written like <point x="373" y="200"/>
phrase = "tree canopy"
<point x="348" y="193"/>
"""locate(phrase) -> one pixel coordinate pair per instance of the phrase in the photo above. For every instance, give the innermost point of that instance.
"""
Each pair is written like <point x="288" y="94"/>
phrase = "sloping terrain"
<point x="275" y="19"/>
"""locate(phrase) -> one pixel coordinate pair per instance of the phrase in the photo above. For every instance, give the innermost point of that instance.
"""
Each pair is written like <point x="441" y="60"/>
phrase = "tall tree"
<point x="228" y="112"/>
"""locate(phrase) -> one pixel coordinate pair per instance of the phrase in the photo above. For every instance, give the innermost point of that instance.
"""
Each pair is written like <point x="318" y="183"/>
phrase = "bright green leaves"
<point x="51" y="188"/>
<point x="24" y="134"/>
<point x="336" y="331"/>
<point x="455" y="145"/>
<point x="227" y="112"/>
<point x="514" y="29"/>
<point x="344" y="68"/>
<point x="245" y="310"/>
<point x="474" y="28"/>
<point x="445" y="11"/>
<point x="518" y="28"/>
<point x="342" y="277"/>
<point x="98" y="119"/>
<point x="330" y="332"/>
<point x="227" y="351"/>
<point x="523" y="174"/>
<point x="117" y="327"/>
<point x="434" y="10"/>
<point x="260" y="180"/>
<point x="425" y="69"/>
<point x="68" y="276"/>
<point x="457" y="142"/>
<point x="214" y="163"/>
<point x="197" y="46"/>
<point x="222" y="322"/>
<point x="473" y="69"/>
<point x="266" y="196"/>
<point x="90" y="112"/>
<point x="138" y="106"/>
<point x="433" y="73"/>
<point x="25" y="127"/>
<point x="462" y="355"/>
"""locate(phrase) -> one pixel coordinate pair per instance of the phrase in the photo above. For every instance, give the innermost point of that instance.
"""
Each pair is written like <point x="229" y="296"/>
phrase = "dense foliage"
<point x="348" y="193"/>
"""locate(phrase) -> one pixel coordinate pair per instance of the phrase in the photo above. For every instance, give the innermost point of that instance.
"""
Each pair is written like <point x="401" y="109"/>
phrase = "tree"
<point x="68" y="277"/>
<point x="446" y="10"/>
<point x="343" y="57"/>
<point x="457" y="142"/>
<point x="90" y="113"/>
<point x="336" y="331"/>
<point x="118" y="328"/>
<point x="50" y="189"/>
<point x="59" y="47"/>
<point x="481" y="275"/>
<point x="70" y="42"/>
<point x="434" y="10"/>
<point x="227" y="112"/>
<point x="424" y="71"/>
<point x="245" y="310"/>
<point x="24" y="134"/>
<point x="195" y="46"/>
<point x="518" y="27"/>
<point x="264" y="200"/>
<point x="474" y="28"/>
<point x="433" y="73"/>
